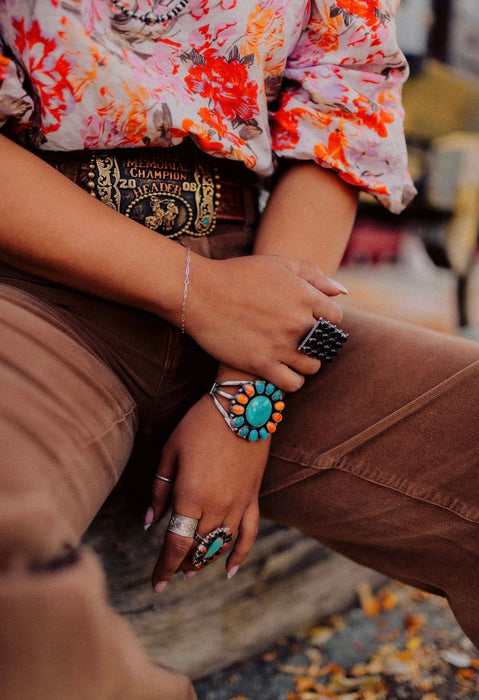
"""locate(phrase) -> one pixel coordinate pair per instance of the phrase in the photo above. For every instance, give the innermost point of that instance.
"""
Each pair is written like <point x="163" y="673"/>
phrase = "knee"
<point x="33" y="533"/>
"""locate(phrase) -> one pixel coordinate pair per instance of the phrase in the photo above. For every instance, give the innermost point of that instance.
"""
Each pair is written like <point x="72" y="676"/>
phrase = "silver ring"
<point x="164" y="478"/>
<point x="211" y="546"/>
<point x="182" y="525"/>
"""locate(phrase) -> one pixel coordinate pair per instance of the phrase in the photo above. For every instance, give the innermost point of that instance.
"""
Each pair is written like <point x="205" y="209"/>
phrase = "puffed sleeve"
<point x="16" y="106"/>
<point x="341" y="98"/>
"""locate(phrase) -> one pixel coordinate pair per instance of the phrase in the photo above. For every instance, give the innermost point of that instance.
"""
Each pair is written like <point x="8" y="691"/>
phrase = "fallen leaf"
<point x="368" y="602"/>
<point x="320" y="635"/>
<point x="466" y="673"/>
<point x="456" y="658"/>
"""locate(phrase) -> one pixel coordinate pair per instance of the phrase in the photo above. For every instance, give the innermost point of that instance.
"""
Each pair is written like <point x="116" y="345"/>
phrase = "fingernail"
<point x="189" y="574"/>
<point x="231" y="572"/>
<point x="150" y="514"/>
<point x="340" y="287"/>
<point x="160" y="586"/>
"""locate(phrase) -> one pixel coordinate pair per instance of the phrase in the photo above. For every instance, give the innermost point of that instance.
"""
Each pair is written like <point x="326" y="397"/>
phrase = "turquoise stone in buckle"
<point x="255" y="410"/>
<point x="211" y="546"/>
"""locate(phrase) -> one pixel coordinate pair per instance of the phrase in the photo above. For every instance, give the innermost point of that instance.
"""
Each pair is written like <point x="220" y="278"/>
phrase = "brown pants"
<point x="377" y="457"/>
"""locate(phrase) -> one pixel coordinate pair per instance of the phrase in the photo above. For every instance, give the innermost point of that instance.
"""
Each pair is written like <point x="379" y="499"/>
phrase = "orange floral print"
<point x="48" y="70"/>
<point x="307" y="79"/>
<point x="225" y="84"/>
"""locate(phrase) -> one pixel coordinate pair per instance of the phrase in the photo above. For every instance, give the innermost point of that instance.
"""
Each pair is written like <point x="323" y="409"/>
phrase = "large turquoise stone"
<point x="214" y="547"/>
<point x="258" y="411"/>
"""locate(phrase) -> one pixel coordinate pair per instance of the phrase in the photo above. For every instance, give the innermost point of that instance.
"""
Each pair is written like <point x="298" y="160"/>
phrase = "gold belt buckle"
<point x="165" y="192"/>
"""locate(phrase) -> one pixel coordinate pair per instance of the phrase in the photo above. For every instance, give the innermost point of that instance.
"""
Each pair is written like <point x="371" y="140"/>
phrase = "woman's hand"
<point x="252" y="312"/>
<point x="217" y="478"/>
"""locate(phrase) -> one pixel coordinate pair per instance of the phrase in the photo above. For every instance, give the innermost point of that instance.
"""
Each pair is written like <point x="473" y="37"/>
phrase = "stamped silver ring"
<point x="182" y="525"/>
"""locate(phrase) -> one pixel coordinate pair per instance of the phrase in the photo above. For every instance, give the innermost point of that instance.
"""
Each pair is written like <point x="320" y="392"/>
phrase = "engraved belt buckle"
<point x="166" y="193"/>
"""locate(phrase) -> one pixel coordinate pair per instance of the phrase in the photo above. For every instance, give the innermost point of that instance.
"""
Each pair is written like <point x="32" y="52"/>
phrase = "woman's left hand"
<point x="217" y="477"/>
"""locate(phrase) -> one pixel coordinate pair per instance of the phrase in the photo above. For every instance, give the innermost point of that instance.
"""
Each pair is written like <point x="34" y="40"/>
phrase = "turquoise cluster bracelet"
<point x="255" y="409"/>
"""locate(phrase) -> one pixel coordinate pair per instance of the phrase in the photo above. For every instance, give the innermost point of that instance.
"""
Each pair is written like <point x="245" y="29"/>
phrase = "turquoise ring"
<point x="255" y="409"/>
<point x="211" y="546"/>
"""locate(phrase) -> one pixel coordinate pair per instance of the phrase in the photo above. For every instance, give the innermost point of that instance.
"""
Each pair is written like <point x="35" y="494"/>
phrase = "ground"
<point x="395" y="644"/>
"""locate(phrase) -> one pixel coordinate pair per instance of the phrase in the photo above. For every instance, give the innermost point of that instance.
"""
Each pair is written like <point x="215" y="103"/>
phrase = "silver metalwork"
<point x="185" y="290"/>
<point x="164" y="478"/>
<point x="150" y="18"/>
<point x="182" y="525"/>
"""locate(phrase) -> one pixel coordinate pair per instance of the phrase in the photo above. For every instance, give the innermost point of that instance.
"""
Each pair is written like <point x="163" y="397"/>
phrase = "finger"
<point x="162" y="488"/>
<point x="248" y="531"/>
<point x="177" y="544"/>
<point x="326" y="308"/>
<point x="284" y="376"/>
<point x="174" y="550"/>
<point x="304" y="364"/>
<point x="316" y="277"/>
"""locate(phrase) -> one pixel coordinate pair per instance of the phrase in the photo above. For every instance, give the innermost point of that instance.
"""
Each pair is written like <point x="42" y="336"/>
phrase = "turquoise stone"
<point x="260" y="386"/>
<point x="244" y="431"/>
<point x="238" y="422"/>
<point x="253" y="436"/>
<point x="263" y="433"/>
<point x="258" y="411"/>
<point x="277" y="396"/>
<point x="269" y="389"/>
<point x="214" y="547"/>
<point x="206" y="220"/>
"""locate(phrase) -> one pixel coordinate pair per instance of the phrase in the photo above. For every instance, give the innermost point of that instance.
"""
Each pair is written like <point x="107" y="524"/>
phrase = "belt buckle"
<point x="165" y="192"/>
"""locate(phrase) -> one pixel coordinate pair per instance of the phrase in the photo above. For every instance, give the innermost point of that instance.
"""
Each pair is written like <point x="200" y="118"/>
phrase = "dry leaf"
<point x="368" y="602"/>
<point x="304" y="684"/>
<point x="320" y="635"/>
<point x="387" y="600"/>
<point x="456" y="658"/>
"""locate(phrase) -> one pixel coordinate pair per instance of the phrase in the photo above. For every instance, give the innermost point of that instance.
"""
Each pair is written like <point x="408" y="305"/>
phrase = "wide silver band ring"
<point x="182" y="525"/>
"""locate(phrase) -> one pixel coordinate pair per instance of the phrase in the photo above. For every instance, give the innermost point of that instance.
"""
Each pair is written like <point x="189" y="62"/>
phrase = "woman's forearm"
<point x="52" y="228"/>
<point x="309" y="216"/>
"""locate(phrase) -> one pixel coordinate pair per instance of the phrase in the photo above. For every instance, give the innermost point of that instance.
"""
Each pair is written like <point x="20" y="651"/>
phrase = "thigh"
<point x="67" y="427"/>
<point x="378" y="458"/>
<point x="397" y="407"/>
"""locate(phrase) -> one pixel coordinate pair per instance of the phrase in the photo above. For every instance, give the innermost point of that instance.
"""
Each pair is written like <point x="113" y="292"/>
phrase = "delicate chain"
<point x="150" y="17"/>
<point x="185" y="290"/>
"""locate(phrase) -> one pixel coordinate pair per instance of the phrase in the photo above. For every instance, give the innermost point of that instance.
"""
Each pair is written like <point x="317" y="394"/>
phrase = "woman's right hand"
<point x="252" y="312"/>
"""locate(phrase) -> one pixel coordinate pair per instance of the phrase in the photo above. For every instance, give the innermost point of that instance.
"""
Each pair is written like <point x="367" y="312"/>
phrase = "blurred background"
<point x="423" y="265"/>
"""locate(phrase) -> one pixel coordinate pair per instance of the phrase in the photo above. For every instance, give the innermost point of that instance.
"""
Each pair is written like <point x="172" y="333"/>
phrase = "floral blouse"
<point x="249" y="80"/>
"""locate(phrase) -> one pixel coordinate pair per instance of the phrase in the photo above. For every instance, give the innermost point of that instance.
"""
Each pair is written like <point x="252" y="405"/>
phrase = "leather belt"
<point x="174" y="191"/>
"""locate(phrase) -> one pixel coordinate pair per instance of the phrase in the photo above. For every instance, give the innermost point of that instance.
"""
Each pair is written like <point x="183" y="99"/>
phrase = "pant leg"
<point x="378" y="458"/>
<point x="66" y="431"/>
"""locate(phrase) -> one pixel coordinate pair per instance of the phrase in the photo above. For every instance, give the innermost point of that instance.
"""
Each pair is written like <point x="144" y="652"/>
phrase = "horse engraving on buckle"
<point x="166" y="193"/>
